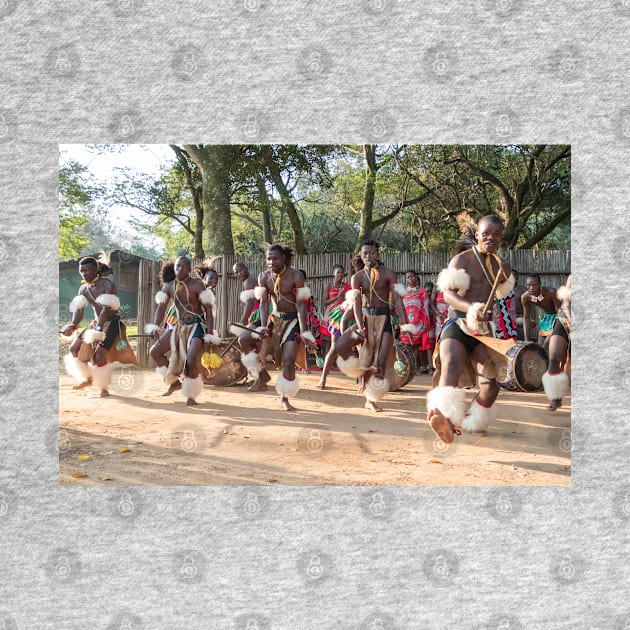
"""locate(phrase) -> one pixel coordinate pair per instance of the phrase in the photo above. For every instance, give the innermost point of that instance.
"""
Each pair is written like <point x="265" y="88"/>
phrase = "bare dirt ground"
<point x="234" y="437"/>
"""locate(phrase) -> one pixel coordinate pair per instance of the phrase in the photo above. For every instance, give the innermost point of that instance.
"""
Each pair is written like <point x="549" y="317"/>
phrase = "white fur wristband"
<point x="213" y="339"/>
<point x="151" y="329"/>
<point x="308" y="336"/>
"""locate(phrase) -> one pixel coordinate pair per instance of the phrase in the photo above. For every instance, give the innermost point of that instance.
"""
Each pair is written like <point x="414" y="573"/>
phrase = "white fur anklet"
<point x="78" y="370"/>
<point x="376" y="388"/>
<point x="287" y="388"/>
<point x="450" y="402"/>
<point x="479" y="417"/>
<point x="192" y="387"/>
<point x="252" y="363"/>
<point x="556" y="386"/>
<point x="102" y="376"/>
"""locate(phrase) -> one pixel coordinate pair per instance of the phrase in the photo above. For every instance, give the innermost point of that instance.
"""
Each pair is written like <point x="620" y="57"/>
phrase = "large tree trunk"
<point x="287" y="203"/>
<point x="367" y="211"/>
<point x="214" y="162"/>
<point x="265" y="208"/>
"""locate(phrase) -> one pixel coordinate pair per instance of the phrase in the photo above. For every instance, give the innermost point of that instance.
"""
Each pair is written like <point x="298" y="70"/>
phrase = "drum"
<point x="400" y="379"/>
<point x="526" y="364"/>
<point x="231" y="372"/>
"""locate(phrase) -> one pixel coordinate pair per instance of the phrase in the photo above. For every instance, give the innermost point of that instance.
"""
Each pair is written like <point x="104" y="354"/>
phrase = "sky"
<point x="145" y="158"/>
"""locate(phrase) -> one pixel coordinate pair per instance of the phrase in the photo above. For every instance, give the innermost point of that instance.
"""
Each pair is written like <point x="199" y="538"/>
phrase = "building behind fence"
<point x="553" y="267"/>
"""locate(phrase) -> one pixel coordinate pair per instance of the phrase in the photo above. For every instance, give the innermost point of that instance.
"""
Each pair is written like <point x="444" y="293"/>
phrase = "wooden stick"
<point x="493" y="290"/>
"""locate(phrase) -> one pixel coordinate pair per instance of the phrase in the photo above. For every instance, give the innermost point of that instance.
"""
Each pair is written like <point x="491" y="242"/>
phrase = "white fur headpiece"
<point x="259" y="292"/>
<point x="78" y="303"/>
<point x="246" y="296"/>
<point x="504" y="288"/>
<point x="161" y="297"/>
<point x="108" y="300"/>
<point x="454" y="280"/>
<point x="286" y="388"/>
<point x="302" y="294"/>
<point x="207" y="297"/>
<point x="401" y="289"/>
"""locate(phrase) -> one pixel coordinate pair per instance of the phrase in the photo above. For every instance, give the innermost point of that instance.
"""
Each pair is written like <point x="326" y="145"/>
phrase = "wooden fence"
<point x="553" y="267"/>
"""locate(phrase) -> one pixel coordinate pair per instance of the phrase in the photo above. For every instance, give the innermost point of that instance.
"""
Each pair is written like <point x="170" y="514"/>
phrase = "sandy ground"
<point x="234" y="437"/>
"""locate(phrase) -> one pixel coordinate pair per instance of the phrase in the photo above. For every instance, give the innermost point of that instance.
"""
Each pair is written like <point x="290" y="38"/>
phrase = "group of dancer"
<point x="278" y="325"/>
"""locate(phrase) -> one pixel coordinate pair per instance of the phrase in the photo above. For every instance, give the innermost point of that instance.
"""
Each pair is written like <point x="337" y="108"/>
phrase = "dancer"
<point x="540" y="305"/>
<point x="194" y="303"/>
<point x="104" y="341"/>
<point x="462" y="354"/>
<point x="556" y="380"/>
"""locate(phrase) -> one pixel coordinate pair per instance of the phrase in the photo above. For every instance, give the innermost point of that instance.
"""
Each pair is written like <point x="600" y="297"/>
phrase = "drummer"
<point x="460" y="355"/>
<point x="194" y="303"/>
<point x="540" y="304"/>
<point x="556" y="379"/>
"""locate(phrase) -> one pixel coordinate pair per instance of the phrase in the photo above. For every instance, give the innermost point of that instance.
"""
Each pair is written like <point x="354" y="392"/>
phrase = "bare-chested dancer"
<point x="185" y="341"/>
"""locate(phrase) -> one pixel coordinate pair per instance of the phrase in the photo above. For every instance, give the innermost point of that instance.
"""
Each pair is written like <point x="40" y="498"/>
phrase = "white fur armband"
<point x="504" y="288"/>
<point x="93" y="336"/>
<point x="108" y="300"/>
<point x="475" y="315"/>
<point x="78" y="303"/>
<point x="161" y="298"/>
<point x="213" y="339"/>
<point x="302" y="294"/>
<point x="453" y="280"/>
<point x="564" y="294"/>
<point x="260" y="292"/>
<point x="207" y="297"/>
<point x="248" y="295"/>
<point x="308" y="336"/>
<point x="350" y="297"/>
<point x="151" y="329"/>
<point x="401" y="289"/>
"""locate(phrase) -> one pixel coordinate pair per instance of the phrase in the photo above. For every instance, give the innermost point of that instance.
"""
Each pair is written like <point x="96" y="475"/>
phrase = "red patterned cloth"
<point x="418" y="313"/>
